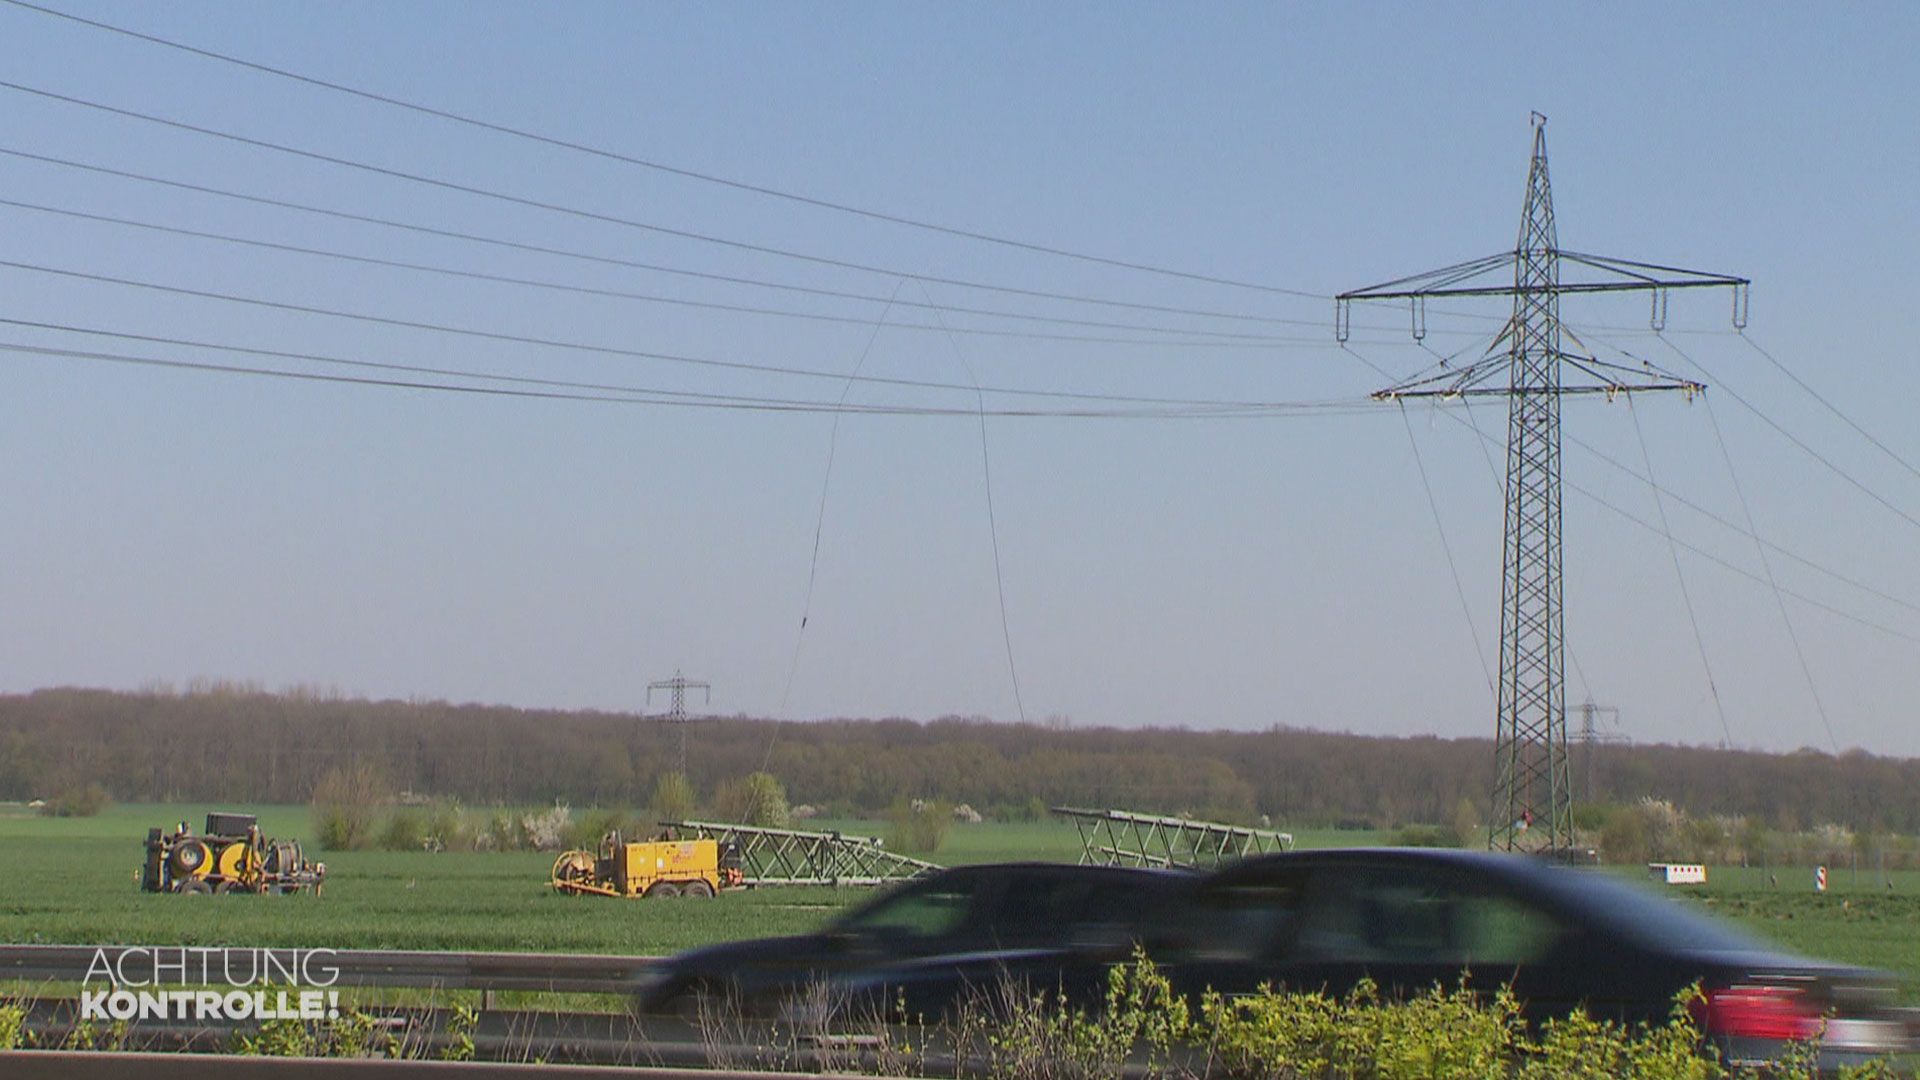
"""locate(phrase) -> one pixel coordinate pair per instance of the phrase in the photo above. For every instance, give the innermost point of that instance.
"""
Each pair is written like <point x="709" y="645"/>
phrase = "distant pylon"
<point x="677" y="706"/>
<point x="1532" y="795"/>
<point x="1590" y="737"/>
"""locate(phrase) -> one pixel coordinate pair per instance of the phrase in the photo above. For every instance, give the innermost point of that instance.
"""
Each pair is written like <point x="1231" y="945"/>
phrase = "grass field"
<point x="73" y="880"/>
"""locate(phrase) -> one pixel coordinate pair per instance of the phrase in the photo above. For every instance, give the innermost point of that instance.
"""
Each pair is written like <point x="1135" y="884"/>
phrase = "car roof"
<point x="1596" y="897"/>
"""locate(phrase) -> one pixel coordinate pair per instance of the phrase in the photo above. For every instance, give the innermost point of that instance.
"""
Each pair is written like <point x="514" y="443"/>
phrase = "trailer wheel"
<point x="227" y="888"/>
<point x="698" y="890"/>
<point x="194" y="887"/>
<point x="663" y="890"/>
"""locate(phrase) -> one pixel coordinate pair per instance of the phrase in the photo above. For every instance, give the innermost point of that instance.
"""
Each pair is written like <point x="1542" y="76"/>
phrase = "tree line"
<point x="242" y="745"/>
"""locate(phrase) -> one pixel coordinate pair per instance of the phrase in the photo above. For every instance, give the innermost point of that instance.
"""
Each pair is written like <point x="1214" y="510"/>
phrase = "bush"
<point x="502" y="833"/>
<point x="546" y="830"/>
<point x="585" y="834"/>
<point x="757" y="800"/>
<point x="1034" y="809"/>
<point x="920" y="826"/>
<point x="446" y="829"/>
<point x="672" y="798"/>
<point x="80" y="800"/>
<point x="405" y="831"/>
<point x="1433" y="836"/>
<point x="766" y="801"/>
<point x="345" y="806"/>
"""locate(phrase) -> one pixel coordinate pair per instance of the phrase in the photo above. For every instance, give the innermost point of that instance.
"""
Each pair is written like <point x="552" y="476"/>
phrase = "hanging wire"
<point x="820" y="518"/>
<point x="1686" y="598"/>
<point x="1766" y="565"/>
<point x="993" y="525"/>
<point x="1459" y="590"/>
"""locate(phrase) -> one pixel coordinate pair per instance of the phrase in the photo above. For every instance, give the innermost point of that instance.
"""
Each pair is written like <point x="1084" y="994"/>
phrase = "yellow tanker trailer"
<point x="653" y="869"/>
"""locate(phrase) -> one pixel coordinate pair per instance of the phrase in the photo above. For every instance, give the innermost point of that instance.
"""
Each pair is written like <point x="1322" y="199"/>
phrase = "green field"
<point x="74" y="881"/>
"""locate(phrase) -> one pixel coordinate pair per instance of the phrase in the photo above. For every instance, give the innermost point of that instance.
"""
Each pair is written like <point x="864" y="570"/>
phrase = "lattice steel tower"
<point x="677" y="706"/>
<point x="1532" y="795"/>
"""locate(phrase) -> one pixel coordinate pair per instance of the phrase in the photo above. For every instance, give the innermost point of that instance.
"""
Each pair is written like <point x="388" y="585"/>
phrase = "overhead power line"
<point x="1233" y="340"/>
<point x="732" y="279"/>
<point x="1797" y="441"/>
<point x="1744" y="531"/>
<point x="1742" y="571"/>
<point x="611" y="350"/>
<point x="672" y="398"/>
<point x="589" y="215"/>
<point x="660" y="166"/>
<point x="1488" y="442"/>
<point x="1680" y="578"/>
<point x="1766" y="564"/>
<point x="1831" y="407"/>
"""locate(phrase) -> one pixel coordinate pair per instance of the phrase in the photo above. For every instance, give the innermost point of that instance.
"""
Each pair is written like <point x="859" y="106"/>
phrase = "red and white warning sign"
<point x="1819" y="879"/>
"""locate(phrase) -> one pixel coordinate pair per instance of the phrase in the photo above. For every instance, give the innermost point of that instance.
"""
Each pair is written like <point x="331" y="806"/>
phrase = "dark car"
<point x="1074" y="916"/>
<point x="1412" y="919"/>
<point x="1562" y="938"/>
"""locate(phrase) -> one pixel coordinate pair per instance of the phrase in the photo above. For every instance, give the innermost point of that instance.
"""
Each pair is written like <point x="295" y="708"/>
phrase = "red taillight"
<point x="1758" y="1012"/>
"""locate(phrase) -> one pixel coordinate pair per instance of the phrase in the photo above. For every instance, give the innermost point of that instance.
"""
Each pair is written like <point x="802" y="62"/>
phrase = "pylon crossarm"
<point x="1666" y="277"/>
<point x="1431" y="282"/>
<point x="1477" y="277"/>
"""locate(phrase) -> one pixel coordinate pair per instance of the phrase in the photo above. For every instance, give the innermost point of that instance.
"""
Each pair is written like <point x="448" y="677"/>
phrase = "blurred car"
<point x="1409" y="919"/>
<point x="1321" y="921"/>
<point x="1047" y="915"/>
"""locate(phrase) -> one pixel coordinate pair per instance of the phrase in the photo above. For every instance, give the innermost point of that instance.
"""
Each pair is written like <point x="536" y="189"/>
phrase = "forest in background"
<point x="227" y="743"/>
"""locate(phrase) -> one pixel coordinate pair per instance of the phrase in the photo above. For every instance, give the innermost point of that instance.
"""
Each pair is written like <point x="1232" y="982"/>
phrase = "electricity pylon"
<point x="1590" y="737"/>
<point x="677" y="706"/>
<point x="1532" y="794"/>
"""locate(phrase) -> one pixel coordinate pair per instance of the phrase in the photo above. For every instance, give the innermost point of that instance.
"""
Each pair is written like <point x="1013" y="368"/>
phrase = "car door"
<point x="1236" y="933"/>
<point x="1410" y="926"/>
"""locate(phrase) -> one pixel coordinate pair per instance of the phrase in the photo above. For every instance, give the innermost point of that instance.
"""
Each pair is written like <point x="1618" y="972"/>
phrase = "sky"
<point x="169" y="523"/>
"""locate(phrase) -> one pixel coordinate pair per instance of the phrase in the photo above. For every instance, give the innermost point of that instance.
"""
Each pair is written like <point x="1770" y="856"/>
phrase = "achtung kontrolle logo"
<point x="197" y="983"/>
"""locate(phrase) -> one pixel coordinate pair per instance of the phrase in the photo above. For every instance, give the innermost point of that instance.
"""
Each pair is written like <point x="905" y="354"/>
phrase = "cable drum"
<point x="188" y="856"/>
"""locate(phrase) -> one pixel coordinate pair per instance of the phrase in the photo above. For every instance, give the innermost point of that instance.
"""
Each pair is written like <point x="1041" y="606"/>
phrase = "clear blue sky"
<point x="166" y="524"/>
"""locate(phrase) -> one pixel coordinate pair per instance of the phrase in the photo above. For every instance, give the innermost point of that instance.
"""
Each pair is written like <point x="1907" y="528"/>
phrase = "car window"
<point x="931" y="910"/>
<point x="1503" y="930"/>
<point x="1419" y="916"/>
<point x="1249" y="919"/>
<point x="1040" y="907"/>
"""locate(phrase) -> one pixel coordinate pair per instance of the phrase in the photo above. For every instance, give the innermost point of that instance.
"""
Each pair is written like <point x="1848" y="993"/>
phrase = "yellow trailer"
<point x="230" y="856"/>
<point x="654" y="869"/>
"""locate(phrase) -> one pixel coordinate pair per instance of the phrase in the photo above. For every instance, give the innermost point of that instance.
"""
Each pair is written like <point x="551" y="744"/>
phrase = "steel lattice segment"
<point x="799" y="857"/>
<point x="1533" y="794"/>
<point x="1121" y="838"/>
